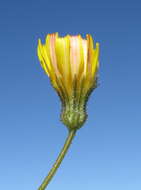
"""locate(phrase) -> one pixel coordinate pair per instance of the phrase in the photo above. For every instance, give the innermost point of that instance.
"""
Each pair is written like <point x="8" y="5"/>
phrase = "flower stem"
<point x="59" y="160"/>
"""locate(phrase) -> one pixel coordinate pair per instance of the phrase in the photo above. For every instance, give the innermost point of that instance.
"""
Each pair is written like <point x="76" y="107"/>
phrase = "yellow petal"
<point x="74" y="54"/>
<point x="90" y="55"/>
<point x="42" y="59"/>
<point x="52" y="40"/>
<point x="95" y="60"/>
<point x="62" y="55"/>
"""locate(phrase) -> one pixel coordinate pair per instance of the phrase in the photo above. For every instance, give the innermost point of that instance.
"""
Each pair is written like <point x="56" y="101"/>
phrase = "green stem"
<point x="59" y="160"/>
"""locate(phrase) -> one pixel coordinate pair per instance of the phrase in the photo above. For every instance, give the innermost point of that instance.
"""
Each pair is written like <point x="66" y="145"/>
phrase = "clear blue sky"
<point x="106" y="153"/>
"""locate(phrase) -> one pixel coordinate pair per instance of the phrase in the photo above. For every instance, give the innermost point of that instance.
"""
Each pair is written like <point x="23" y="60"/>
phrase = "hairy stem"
<point x="59" y="160"/>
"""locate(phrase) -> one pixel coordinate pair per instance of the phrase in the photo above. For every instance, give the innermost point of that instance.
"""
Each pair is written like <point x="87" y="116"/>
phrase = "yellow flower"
<point x="71" y="63"/>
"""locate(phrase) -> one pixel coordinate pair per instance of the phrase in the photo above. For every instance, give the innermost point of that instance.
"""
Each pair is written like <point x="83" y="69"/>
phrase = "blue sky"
<point x="106" y="152"/>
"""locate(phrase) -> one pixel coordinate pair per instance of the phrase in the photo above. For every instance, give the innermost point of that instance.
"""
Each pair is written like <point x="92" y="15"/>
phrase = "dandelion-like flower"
<point x="71" y="63"/>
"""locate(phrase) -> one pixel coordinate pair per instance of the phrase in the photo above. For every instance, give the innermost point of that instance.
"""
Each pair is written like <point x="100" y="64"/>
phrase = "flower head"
<point x="71" y="63"/>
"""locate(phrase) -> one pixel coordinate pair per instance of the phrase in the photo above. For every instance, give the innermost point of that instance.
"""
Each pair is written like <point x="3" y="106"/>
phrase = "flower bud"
<point x="71" y="63"/>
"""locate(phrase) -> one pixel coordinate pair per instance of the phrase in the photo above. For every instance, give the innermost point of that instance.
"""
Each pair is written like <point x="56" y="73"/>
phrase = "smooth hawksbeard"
<point x="71" y="63"/>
